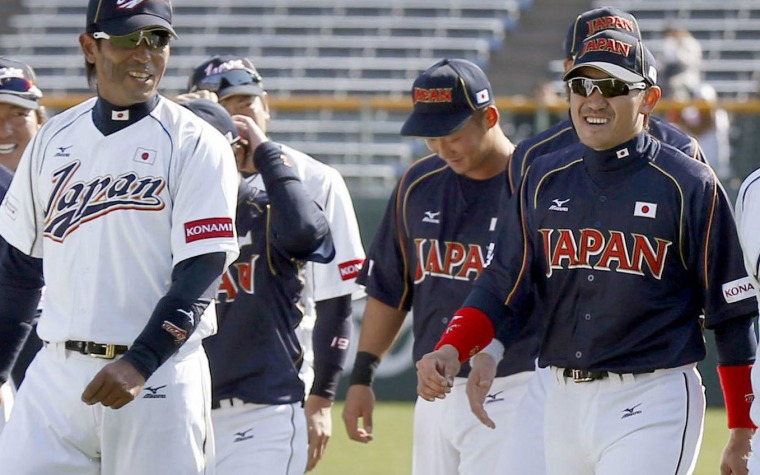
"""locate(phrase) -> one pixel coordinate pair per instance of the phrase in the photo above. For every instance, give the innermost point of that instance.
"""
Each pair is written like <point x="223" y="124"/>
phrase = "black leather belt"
<point x="584" y="376"/>
<point x="96" y="350"/>
<point x="228" y="402"/>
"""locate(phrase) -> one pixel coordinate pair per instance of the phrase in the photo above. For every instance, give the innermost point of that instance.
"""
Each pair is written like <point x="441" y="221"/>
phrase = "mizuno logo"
<point x="631" y="411"/>
<point x="188" y="314"/>
<point x="241" y="436"/>
<point x="559" y="205"/>
<point x="62" y="152"/>
<point x="495" y="397"/>
<point x="128" y="4"/>
<point x="152" y="393"/>
<point x="431" y="217"/>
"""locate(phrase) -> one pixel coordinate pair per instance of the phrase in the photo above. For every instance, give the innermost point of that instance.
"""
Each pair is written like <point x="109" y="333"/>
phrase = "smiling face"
<point x="603" y="123"/>
<point x="125" y="76"/>
<point x="17" y="127"/>
<point x="470" y="150"/>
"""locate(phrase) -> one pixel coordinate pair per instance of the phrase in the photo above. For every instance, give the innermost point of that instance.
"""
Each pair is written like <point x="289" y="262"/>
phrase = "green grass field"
<point x="390" y="453"/>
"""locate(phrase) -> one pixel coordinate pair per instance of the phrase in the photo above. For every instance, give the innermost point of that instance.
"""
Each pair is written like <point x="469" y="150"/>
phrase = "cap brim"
<point x="20" y="101"/>
<point x="125" y="26"/>
<point x="613" y="70"/>
<point x="430" y="125"/>
<point x="243" y="90"/>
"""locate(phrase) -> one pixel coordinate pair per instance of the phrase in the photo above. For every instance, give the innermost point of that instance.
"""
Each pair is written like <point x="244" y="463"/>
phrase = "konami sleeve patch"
<point x="208" y="228"/>
<point x="737" y="290"/>
<point x="350" y="270"/>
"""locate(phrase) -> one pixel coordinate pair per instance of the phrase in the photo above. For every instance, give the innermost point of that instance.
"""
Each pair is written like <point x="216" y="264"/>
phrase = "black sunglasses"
<point x="154" y="39"/>
<point x="233" y="77"/>
<point x="607" y="87"/>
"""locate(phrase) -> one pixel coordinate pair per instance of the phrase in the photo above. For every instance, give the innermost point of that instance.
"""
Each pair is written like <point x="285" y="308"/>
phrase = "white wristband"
<point x="495" y="350"/>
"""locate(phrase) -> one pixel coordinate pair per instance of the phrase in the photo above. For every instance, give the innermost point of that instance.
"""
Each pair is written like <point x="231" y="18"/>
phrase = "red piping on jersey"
<point x="401" y="221"/>
<point x="680" y="217"/>
<point x="524" y="227"/>
<point x="523" y="166"/>
<point x="709" y="225"/>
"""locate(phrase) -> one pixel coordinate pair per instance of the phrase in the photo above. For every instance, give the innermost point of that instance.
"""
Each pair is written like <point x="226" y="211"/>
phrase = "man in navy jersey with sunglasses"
<point x="626" y="242"/>
<point x="129" y="201"/>
<point x="563" y="133"/>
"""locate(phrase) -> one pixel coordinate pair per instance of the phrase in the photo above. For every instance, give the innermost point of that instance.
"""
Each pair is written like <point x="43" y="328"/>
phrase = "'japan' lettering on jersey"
<point x="563" y="134"/>
<point x="436" y="237"/>
<point x="163" y="186"/>
<point x="624" y="254"/>
<point x="255" y="354"/>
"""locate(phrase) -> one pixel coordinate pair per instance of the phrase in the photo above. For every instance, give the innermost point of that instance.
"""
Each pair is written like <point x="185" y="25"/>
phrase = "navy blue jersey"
<point x="6" y="176"/>
<point x="436" y="237"/>
<point x="255" y="355"/>
<point x="563" y="134"/>
<point x="625" y="249"/>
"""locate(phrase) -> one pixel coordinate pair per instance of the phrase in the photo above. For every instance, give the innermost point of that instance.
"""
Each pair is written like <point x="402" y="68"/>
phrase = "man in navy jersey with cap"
<point x="129" y="200"/>
<point x="563" y="133"/>
<point x="626" y="242"/>
<point x="436" y="237"/>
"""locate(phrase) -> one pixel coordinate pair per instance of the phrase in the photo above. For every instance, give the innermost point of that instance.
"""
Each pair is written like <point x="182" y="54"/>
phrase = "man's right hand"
<point x="479" y="383"/>
<point x="360" y="402"/>
<point x="436" y="371"/>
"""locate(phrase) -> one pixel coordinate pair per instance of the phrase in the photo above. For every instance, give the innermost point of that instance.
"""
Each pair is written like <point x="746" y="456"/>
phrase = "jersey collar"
<point x="109" y="118"/>
<point x="610" y="165"/>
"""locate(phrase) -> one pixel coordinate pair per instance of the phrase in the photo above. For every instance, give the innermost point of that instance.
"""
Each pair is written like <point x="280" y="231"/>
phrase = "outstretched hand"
<point x="436" y="371"/>
<point x="479" y="383"/>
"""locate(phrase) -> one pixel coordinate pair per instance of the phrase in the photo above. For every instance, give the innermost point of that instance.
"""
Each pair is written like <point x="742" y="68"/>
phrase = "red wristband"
<point x="469" y="331"/>
<point x="737" y="394"/>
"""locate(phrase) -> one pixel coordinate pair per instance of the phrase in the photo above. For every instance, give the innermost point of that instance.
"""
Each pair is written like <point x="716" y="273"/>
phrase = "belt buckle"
<point x="108" y="355"/>
<point x="582" y="376"/>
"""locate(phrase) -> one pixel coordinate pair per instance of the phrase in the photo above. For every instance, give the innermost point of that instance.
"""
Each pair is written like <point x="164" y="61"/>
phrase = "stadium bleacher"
<point x="316" y="47"/>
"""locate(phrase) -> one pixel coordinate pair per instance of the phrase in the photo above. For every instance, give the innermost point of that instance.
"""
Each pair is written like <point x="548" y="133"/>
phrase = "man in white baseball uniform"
<point x="129" y="200"/>
<point x="747" y="211"/>
<point x="328" y="289"/>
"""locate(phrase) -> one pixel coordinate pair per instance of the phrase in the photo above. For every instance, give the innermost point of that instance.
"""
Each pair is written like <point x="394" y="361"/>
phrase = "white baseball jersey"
<point x="111" y="216"/>
<point x="747" y="211"/>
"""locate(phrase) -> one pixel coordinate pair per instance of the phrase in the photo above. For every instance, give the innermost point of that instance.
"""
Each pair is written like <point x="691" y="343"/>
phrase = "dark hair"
<point x="89" y="68"/>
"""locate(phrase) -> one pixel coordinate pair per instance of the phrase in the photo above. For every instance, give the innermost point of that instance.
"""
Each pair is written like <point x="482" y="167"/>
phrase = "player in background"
<point x="747" y="212"/>
<point x="564" y="133"/>
<point x="436" y="237"/>
<point x="129" y="200"/>
<point x="626" y="241"/>
<point x="328" y="288"/>
<point x="21" y="115"/>
<point x="257" y="396"/>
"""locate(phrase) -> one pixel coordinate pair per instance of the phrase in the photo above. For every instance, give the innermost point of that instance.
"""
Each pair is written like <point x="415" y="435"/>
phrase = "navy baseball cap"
<point x="618" y="54"/>
<point x="227" y="76"/>
<point x="17" y="84"/>
<point x="445" y="96"/>
<point x="215" y="115"/>
<point x="122" y="17"/>
<point x="599" y="19"/>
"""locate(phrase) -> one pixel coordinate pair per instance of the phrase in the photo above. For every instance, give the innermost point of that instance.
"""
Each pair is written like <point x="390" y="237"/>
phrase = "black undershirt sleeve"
<point x="20" y="288"/>
<point x="735" y="341"/>
<point x="297" y="222"/>
<point x="332" y="333"/>
<point x="176" y="316"/>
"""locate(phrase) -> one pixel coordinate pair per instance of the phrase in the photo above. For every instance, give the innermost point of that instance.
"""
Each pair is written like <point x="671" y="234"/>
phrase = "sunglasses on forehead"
<point x="233" y="77"/>
<point x="607" y="87"/>
<point x="20" y="86"/>
<point x="154" y="39"/>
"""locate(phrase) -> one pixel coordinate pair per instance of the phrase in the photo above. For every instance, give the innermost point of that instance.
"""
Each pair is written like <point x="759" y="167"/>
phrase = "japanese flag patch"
<point x="645" y="210"/>
<point x="482" y="96"/>
<point x="144" y="155"/>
